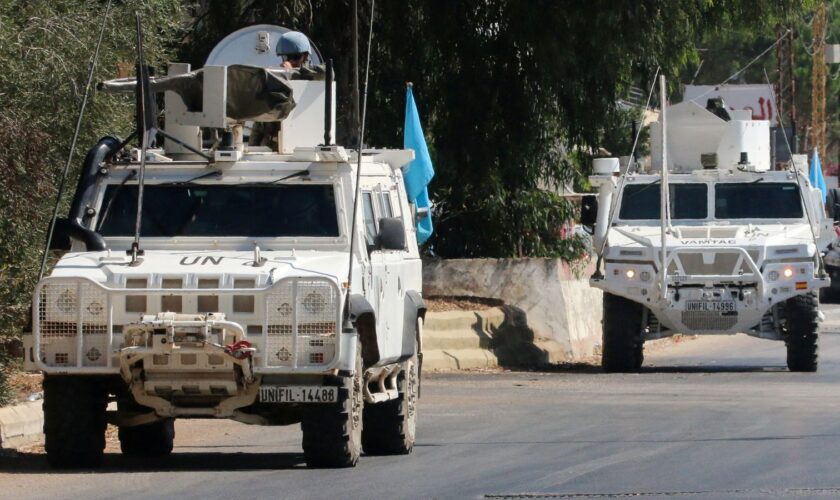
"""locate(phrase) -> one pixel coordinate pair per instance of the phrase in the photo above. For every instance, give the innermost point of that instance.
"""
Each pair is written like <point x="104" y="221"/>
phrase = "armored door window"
<point x="369" y="218"/>
<point x="386" y="204"/>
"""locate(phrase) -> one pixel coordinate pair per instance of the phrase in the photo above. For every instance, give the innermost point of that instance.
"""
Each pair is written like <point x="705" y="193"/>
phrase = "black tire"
<point x="150" y="440"/>
<point x="74" y="421"/>
<point x="622" y="343"/>
<point x="802" y="315"/>
<point x="390" y="427"/>
<point x="332" y="433"/>
<point x="826" y="296"/>
<point x="640" y="353"/>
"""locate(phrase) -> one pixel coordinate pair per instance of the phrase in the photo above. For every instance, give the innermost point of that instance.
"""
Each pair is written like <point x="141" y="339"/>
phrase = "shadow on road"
<point x="551" y="442"/>
<point x="714" y="369"/>
<point x="593" y="369"/>
<point x="36" y="463"/>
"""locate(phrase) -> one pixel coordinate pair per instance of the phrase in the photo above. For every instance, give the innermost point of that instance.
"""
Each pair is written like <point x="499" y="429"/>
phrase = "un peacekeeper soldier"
<point x="294" y="48"/>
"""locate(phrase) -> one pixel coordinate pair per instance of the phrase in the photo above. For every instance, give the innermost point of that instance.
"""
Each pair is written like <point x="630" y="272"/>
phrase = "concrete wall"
<point x="558" y="304"/>
<point x="21" y="425"/>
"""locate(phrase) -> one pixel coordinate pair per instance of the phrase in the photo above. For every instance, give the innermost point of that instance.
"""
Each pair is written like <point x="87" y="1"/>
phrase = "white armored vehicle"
<point x="251" y="293"/>
<point x="713" y="241"/>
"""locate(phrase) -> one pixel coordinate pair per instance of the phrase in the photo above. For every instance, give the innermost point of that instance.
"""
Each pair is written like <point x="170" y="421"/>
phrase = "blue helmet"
<point x="293" y="42"/>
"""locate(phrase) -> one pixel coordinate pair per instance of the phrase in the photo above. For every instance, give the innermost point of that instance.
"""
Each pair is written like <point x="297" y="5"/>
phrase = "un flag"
<point x="419" y="172"/>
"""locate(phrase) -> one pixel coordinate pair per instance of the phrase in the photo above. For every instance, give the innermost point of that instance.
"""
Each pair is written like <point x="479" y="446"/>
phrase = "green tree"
<point x="45" y="49"/>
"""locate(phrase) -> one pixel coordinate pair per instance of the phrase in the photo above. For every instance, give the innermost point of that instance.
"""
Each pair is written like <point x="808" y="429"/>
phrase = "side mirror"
<point x="420" y="213"/>
<point x="391" y="234"/>
<point x="589" y="209"/>
<point x="61" y="236"/>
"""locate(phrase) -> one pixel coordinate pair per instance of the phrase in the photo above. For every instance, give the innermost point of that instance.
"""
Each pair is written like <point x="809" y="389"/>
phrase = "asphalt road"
<point x="709" y="418"/>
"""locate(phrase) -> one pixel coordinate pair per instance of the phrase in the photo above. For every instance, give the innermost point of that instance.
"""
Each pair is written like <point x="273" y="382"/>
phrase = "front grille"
<point x="301" y="322"/>
<point x="67" y="310"/>
<point x="715" y="263"/>
<point x="723" y="264"/>
<point x="708" y="321"/>
<point x="294" y="322"/>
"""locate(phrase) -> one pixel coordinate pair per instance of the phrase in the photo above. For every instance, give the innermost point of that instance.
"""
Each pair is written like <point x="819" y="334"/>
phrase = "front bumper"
<point x="709" y="274"/>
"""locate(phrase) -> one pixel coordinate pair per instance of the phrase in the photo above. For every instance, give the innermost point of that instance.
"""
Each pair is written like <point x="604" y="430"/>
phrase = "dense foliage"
<point x="45" y="49"/>
<point x="506" y="88"/>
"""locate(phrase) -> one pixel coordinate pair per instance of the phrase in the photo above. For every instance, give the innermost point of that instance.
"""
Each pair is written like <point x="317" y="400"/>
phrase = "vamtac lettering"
<point x="722" y="241"/>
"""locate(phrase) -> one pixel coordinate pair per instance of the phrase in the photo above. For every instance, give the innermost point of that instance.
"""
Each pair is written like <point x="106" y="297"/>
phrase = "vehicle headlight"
<point x="788" y="272"/>
<point x="314" y="302"/>
<point x="285" y="309"/>
<point x="67" y="302"/>
<point x="94" y="308"/>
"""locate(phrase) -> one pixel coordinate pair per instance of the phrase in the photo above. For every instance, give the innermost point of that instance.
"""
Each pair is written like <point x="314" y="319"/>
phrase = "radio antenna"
<point x="63" y="183"/>
<point x="145" y="131"/>
<point x="359" y="164"/>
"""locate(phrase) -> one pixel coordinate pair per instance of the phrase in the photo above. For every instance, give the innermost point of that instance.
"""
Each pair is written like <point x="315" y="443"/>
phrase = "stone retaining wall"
<point x="558" y="304"/>
<point x="21" y="425"/>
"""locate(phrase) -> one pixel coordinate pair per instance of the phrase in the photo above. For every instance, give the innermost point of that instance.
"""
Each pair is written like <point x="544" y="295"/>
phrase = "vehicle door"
<point x="376" y="294"/>
<point x="395" y="265"/>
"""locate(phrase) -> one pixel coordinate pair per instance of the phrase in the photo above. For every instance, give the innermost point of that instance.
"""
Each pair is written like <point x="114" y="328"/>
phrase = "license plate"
<point x="298" y="394"/>
<point x="721" y="306"/>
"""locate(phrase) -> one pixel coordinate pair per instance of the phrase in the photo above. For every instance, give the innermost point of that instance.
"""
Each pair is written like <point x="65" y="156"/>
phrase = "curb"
<point x="21" y="425"/>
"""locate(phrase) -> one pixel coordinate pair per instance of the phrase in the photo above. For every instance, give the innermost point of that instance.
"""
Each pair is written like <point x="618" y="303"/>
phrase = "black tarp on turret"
<point x="253" y="93"/>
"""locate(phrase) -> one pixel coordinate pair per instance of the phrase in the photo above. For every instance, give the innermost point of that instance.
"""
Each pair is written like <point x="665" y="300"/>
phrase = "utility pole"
<point x="818" y="79"/>
<point x="786" y="83"/>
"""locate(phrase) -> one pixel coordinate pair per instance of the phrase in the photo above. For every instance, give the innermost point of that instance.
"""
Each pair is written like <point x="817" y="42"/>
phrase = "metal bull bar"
<point x="240" y="354"/>
<point x="743" y="258"/>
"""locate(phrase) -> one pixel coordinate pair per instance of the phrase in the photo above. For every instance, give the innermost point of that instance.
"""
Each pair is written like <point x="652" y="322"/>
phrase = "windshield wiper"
<point x="757" y="180"/>
<point x="214" y="173"/>
<point x="290" y="176"/>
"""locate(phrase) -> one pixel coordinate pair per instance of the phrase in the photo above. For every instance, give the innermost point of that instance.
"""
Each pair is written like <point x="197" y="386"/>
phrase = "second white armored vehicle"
<point x="712" y="241"/>
<point x="252" y="295"/>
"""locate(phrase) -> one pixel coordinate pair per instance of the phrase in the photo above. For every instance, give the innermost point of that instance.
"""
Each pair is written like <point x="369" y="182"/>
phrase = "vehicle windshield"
<point x="221" y="210"/>
<point x="641" y="201"/>
<point x="758" y="201"/>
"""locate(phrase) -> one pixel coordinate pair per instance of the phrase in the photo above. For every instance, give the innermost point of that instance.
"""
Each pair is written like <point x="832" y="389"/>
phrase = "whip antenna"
<point x="359" y="164"/>
<point x="63" y="183"/>
<point x="145" y="130"/>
